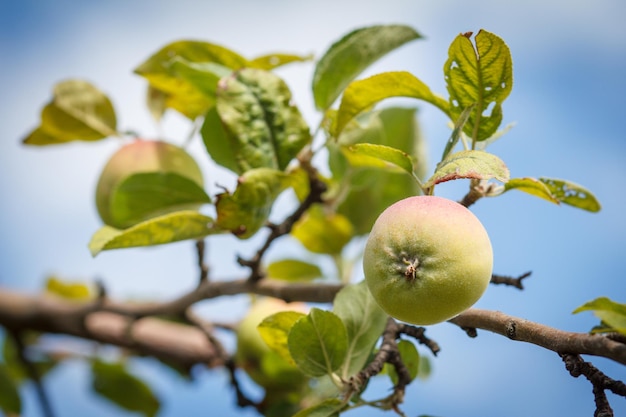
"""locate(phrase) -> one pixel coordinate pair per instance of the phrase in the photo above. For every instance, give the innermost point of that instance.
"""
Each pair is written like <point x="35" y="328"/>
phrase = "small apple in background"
<point x="141" y="156"/>
<point x="264" y="366"/>
<point x="427" y="259"/>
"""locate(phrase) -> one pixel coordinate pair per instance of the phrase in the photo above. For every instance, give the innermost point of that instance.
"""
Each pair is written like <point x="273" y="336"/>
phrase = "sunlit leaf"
<point x="410" y="358"/>
<point x="78" y="291"/>
<point x="364" y="321"/>
<point x="77" y="111"/>
<point x="266" y="129"/>
<point x="246" y="210"/>
<point x="144" y="195"/>
<point x="612" y="314"/>
<point x="572" y="194"/>
<point x="353" y="53"/>
<point x="10" y="401"/>
<point x="378" y="156"/>
<point x="327" y="408"/>
<point x="480" y="75"/>
<point x="115" y="383"/>
<point x="172" y="227"/>
<point x="204" y="76"/>
<point x="478" y="165"/>
<point x="271" y="61"/>
<point x="293" y="270"/>
<point x="275" y="330"/>
<point x="531" y="186"/>
<point x="363" y="94"/>
<point x="323" y="232"/>
<point x="318" y="343"/>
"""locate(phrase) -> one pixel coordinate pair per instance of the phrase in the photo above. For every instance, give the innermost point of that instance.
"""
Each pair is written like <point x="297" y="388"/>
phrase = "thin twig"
<point x="510" y="281"/>
<point x="419" y="334"/>
<point x="204" y="268"/>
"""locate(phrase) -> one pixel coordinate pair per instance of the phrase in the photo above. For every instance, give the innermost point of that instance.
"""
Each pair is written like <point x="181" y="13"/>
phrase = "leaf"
<point x="10" y="401"/>
<point x="327" y="408"/>
<point x="479" y="165"/>
<point x="266" y="128"/>
<point x="322" y="232"/>
<point x="142" y="196"/>
<point x="456" y="132"/>
<point x="275" y="329"/>
<point x="271" y="61"/>
<point x="172" y="227"/>
<point x="531" y="186"/>
<point x="220" y="143"/>
<point x="411" y="359"/>
<point x="378" y="156"/>
<point x="293" y="270"/>
<point x="318" y="343"/>
<point x="43" y="364"/>
<point x="364" y="321"/>
<point x="173" y="81"/>
<point x="115" y="383"/>
<point x="483" y="76"/>
<point x="572" y="194"/>
<point x="611" y="313"/>
<point x="77" y="291"/>
<point x="246" y="210"/>
<point x="363" y="94"/>
<point x="77" y="111"/>
<point x="204" y="76"/>
<point x="352" y="54"/>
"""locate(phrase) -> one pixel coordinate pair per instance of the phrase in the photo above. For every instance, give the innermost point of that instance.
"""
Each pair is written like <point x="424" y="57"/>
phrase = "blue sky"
<point x="567" y="102"/>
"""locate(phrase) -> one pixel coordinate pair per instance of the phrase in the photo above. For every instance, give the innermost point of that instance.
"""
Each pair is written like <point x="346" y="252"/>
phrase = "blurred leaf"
<point x="246" y="210"/>
<point x="479" y="165"/>
<point x="425" y="368"/>
<point x="157" y="102"/>
<point x="531" y="186"/>
<point x="115" y="383"/>
<point x="173" y="80"/>
<point x="364" y="321"/>
<point x="275" y="329"/>
<point x="352" y="54"/>
<point x="204" y="76"/>
<point x="219" y="142"/>
<point x="271" y="61"/>
<point x="172" y="227"/>
<point x="456" y="132"/>
<point x="266" y="128"/>
<point x="78" y="111"/>
<point x="78" y="291"/>
<point x="142" y="196"/>
<point x="573" y="194"/>
<point x="327" y="408"/>
<point x="318" y="343"/>
<point x="10" y="401"/>
<point x="293" y="270"/>
<point x="482" y="76"/>
<point x="611" y="313"/>
<point x="322" y="232"/>
<point x="410" y="358"/>
<point x="363" y="94"/>
<point x="378" y="156"/>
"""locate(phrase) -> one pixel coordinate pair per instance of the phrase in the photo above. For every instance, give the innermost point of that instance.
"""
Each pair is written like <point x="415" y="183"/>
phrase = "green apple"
<point x="141" y="156"/>
<point x="427" y="259"/>
<point x="264" y="366"/>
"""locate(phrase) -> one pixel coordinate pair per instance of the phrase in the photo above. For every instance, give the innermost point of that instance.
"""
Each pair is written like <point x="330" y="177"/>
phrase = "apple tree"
<point x="314" y="335"/>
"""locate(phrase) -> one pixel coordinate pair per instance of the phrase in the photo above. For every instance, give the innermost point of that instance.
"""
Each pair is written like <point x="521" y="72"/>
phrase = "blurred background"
<point x="567" y="103"/>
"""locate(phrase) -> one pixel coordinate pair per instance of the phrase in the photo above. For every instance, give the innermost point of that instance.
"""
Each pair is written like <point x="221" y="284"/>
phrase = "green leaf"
<point x="144" y="195"/>
<point x="220" y="143"/>
<point x="456" y="132"/>
<point x="174" y="83"/>
<point x="378" y="156"/>
<point x="531" y="186"/>
<point x="352" y="54"/>
<point x="323" y="232"/>
<point x="78" y="111"/>
<point x="293" y="270"/>
<point x="327" y="408"/>
<point x="364" y="321"/>
<point x="271" y="61"/>
<point x="363" y="94"/>
<point x="611" y="313"/>
<point x="318" y="343"/>
<point x="483" y="76"/>
<point x="115" y="383"/>
<point x="246" y="210"/>
<point x="172" y="227"/>
<point x="78" y="291"/>
<point x="10" y="401"/>
<point x="410" y="358"/>
<point x="572" y="194"/>
<point x="275" y="330"/>
<point x="479" y="165"/>
<point x="204" y="76"/>
<point x="257" y="110"/>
